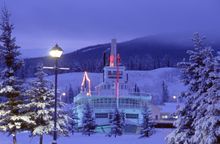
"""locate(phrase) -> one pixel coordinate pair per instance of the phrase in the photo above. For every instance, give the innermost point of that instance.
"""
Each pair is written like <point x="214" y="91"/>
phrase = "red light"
<point x="112" y="60"/>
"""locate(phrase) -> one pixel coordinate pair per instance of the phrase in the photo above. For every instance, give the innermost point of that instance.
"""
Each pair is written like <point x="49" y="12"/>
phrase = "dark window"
<point x="132" y="116"/>
<point x="113" y="74"/>
<point x="110" y="116"/>
<point x="101" y="115"/>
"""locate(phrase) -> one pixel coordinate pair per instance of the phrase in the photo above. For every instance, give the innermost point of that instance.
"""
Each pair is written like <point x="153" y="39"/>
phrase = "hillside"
<point x="147" y="81"/>
<point x="144" y="53"/>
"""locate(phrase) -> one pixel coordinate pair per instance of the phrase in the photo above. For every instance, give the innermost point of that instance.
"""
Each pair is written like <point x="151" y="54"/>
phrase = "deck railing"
<point x="94" y="93"/>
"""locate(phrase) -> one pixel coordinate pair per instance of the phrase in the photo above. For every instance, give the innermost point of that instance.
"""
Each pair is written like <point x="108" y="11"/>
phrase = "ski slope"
<point x="147" y="81"/>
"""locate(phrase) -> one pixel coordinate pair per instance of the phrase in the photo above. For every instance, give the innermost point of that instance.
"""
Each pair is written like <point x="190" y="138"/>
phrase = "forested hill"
<point x="144" y="53"/>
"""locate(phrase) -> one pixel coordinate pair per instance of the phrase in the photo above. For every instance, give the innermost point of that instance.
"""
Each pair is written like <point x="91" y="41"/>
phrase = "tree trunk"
<point x="41" y="139"/>
<point x="14" y="138"/>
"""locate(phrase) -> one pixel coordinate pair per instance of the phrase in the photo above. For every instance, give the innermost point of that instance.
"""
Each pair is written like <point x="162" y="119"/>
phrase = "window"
<point x="105" y="100"/>
<point x="110" y="116"/>
<point x="109" y="100"/>
<point x="101" y="115"/>
<point x="132" y="116"/>
<point x="112" y="74"/>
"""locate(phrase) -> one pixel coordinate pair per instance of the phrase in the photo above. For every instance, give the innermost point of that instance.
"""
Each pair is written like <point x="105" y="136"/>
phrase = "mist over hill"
<point x="145" y="53"/>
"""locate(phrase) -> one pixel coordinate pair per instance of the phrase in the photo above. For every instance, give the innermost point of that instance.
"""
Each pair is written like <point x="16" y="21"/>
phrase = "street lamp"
<point x="55" y="53"/>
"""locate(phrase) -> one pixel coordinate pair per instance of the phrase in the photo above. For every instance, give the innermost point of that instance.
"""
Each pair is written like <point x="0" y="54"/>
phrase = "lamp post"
<point x="55" y="53"/>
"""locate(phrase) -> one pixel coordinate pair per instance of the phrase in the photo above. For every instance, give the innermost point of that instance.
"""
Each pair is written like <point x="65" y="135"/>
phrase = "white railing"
<point x="110" y="93"/>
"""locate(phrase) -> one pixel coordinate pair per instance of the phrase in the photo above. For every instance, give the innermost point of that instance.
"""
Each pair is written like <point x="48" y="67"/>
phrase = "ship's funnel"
<point x="113" y="55"/>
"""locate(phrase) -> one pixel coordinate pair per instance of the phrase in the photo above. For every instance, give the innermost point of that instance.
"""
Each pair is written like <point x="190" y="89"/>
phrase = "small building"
<point x="164" y="115"/>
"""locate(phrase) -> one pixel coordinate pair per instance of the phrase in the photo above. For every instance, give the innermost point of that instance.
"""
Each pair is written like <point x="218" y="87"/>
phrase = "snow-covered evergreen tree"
<point x="41" y="106"/>
<point x="13" y="117"/>
<point x="74" y="123"/>
<point x="207" y="122"/>
<point x="88" y="121"/>
<point x="41" y="103"/>
<point x="147" y="126"/>
<point x="117" y="123"/>
<point x="194" y="119"/>
<point x="63" y="120"/>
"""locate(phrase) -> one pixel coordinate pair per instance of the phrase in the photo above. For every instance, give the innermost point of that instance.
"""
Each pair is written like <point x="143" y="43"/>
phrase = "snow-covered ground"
<point x="148" y="81"/>
<point x="78" y="138"/>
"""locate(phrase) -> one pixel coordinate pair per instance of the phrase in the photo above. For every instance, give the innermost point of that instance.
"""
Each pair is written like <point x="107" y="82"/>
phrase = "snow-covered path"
<point x="78" y="138"/>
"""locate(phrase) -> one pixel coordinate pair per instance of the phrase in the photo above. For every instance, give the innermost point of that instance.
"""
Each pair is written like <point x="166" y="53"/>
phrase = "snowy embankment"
<point x="148" y="81"/>
<point x="78" y="138"/>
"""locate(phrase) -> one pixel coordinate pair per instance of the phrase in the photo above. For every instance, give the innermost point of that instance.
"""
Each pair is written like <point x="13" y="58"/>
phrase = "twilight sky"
<point x="74" y="24"/>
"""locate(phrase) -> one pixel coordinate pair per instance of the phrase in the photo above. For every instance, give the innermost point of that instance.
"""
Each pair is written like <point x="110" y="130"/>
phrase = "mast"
<point x="117" y="81"/>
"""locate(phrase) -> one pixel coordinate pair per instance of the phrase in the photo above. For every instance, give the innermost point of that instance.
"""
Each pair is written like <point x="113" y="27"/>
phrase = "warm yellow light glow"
<point x="64" y="94"/>
<point x="56" y="51"/>
<point x="174" y="97"/>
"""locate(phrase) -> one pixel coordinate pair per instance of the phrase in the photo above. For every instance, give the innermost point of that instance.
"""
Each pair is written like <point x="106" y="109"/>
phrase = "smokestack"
<point x="113" y="54"/>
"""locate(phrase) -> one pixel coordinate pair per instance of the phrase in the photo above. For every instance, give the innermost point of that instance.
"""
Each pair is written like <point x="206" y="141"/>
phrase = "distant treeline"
<point x="138" y="54"/>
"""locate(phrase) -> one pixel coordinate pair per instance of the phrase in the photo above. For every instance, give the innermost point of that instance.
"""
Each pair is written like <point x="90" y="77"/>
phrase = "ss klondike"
<point x="113" y="92"/>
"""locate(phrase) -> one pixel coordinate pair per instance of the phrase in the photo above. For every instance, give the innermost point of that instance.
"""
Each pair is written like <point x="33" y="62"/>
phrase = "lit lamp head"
<point x="56" y="51"/>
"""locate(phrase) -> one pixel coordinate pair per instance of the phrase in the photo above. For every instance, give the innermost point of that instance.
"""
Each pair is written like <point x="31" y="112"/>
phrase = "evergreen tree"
<point x="13" y="117"/>
<point x="199" y="76"/>
<point x="88" y="122"/>
<point x="64" y="121"/>
<point x="74" y="122"/>
<point x="147" y="126"/>
<point x="70" y="94"/>
<point x="207" y="122"/>
<point x="41" y="105"/>
<point x="117" y="123"/>
<point x="165" y="94"/>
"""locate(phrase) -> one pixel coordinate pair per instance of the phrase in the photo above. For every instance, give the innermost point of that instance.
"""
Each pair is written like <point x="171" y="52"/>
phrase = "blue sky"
<point x="74" y="24"/>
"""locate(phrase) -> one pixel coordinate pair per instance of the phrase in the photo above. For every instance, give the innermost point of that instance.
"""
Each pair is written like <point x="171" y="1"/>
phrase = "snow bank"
<point x="78" y="138"/>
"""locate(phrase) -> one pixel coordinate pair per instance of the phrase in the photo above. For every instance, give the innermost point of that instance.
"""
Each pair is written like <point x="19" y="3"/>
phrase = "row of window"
<point x="108" y="86"/>
<point x="109" y="115"/>
<point x="114" y="72"/>
<point x="113" y="101"/>
<point x="168" y="117"/>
